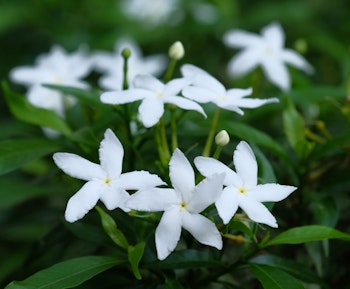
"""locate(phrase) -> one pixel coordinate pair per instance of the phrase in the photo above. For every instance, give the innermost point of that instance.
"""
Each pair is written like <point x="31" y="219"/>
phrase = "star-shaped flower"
<point x="154" y="94"/>
<point x="205" y="88"/>
<point x="266" y="50"/>
<point x="112" y="65"/>
<point x="105" y="182"/>
<point x="241" y="187"/>
<point x="182" y="206"/>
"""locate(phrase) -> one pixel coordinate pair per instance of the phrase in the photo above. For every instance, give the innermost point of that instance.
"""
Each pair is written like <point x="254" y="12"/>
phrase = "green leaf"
<point x="305" y="234"/>
<point x="24" y="111"/>
<point x="67" y="274"/>
<point x="111" y="229"/>
<point x="135" y="254"/>
<point x="15" y="153"/>
<point x="273" y="278"/>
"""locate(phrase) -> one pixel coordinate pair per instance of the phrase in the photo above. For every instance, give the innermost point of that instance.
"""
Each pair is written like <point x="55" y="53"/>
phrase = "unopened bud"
<point x="176" y="51"/>
<point x="222" y="138"/>
<point x="126" y="52"/>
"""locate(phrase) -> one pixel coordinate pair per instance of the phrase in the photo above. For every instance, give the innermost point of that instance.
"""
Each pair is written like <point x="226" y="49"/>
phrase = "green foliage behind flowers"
<point x="139" y="195"/>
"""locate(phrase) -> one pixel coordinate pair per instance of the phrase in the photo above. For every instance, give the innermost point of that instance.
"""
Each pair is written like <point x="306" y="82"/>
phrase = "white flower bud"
<point x="222" y="138"/>
<point x="176" y="51"/>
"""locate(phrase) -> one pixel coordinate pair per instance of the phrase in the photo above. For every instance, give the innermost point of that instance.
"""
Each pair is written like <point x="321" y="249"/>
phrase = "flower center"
<point x="267" y="51"/>
<point x="107" y="181"/>
<point x="242" y="190"/>
<point x="222" y="97"/>
<point x="159" y="94"/>
<point x="183" y="205"/>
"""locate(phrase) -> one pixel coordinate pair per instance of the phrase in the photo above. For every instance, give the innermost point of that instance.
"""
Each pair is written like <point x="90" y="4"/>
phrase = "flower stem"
<point x="174" y="143"/>
<point x="170" y="70"/>
<point x="214" y="124"/>
<point x="163" y="147"/>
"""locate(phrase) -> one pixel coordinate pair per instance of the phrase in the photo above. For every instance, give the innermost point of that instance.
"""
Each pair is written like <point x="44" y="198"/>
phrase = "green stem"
<point x="174" y="142"/>
<point x="163" y="147"/>
<point x="170" y="70"/>
<point x="214" y="124"/>
<point x="217" y="152"/>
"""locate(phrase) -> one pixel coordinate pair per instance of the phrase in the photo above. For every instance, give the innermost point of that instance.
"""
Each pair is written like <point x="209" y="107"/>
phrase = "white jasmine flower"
<point x="112" y="65"/>
<point x="56" y="67"/>
<point x="241" y="187"/>
<point x="205" y="88"/>
<point x="105" y="182"/>
<point x="266" y="50"/>
<point x="154" y="94"/>
<point x="182" y="206"/>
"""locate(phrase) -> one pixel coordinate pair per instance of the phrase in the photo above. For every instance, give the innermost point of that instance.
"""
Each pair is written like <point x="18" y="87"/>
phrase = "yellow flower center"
<point x="242" y="190"/>
<point x="107" y="181"/>
<point x="183" y="205"/>
<point x="222" y="97"/>
<point x="158" y="94"/>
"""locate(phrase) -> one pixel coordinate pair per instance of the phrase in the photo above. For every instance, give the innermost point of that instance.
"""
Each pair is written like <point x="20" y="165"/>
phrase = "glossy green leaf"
<point x="67" y="274"/>
<point x="135" y="254"/>
<point x="305" y="234"/>
<point x="15" y="153"/>
<point x="273" y="278"/>
<point x="24" y="111"/>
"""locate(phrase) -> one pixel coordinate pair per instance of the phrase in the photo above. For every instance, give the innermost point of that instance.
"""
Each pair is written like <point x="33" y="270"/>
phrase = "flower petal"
<point x="114" y="197"/>
<point x="191" y="71"/>
<point x="244" y="62"/>
<point x="239" y="38"/>
<point x="245" y="164"/>
<point x="78" y="167"/>
<point x="277" y="73"/>
<point x="296" y="60"/>
<point x="83" y="201"/>
<point x="209" y="166"/>
<point x="227" y="204"/>
<point x="174" y="86"/>
<point x="148" y="82"/>
<point x="138" y="180"/>
<point x="154" y="200"/>
<point x="202" y="229"/>
<point x="150" y="111"/>
<point x="182" y="175"/>
<point x="255" y="102"/>
<point x="199" y="94"/>
<point x="168" y="233"/>
<point x="273" y="35"/>
<point x="206" y="193"/>
<point x="271" y="192"/>
<point x="124" y="96"/>
<point x="184" y="103"/>
<point x="111" y="154"/>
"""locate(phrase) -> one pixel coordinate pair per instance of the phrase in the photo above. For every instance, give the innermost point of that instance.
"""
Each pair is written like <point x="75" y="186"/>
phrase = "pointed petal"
<point x="295" y="59"/>
<point x="174" y="86"/>
<point x="148" y="82"/>
<point x="150" y="111"/>
<point x="273" y="35"/>
<point x="153" y="200"/>
<point x="191" y="71"/>
<point x="209" y="166"/>
<point x="184" y="103"/>
<point x="239" y="38"/>
<point x="202" y="229"/>
<point x="124" y="96"/>
<point x="199" y="94"/>
<point x="277" y="73"/>
<point x="227" y="204"/>
<point x="257" y="211"/>
<point x="78" y="167"/>
<point x="138" y="180"/>
<point x="244" y="62"/>
<point x="111" y="154"/>
<point x="207" y="192"/>
<point x="83" y="201"/>
<point x="271" y="192"/>
<point x="168" y="233"/>
<point x="182" y="175"/>
<point x="114" y="197"/>
<point x="255" y="102"/>
<point x="245" y="164"/>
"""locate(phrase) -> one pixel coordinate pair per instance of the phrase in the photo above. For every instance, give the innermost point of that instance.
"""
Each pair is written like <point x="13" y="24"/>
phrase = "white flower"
<point x="112" y="65"/>
<point x="266" y="50"/>
<point x="56" y="67"/>
<point x="154" y="94"/>
<point x="205" y="88"/>
<point x="182" y="206"/>
<point x="241" y="188"/>
<point x="105" y="182"/>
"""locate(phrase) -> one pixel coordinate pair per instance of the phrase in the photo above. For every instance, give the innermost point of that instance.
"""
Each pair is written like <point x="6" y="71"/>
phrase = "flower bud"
<point x="222" y="138"/>
<point x="176" y="51"/>
<point x="126" y="52"/>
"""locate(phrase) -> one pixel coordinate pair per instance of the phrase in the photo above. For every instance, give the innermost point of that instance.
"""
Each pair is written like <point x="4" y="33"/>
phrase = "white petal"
<point x="138" y="180"/>
<point x="174" y="86"/>
<point x="244" y="62"/>
<point x="168" y="233"/>
<point x="154" y="200"/>
<point x="273" y="35"/>
<point x="184" y="103"/>
<point x="207" y="192"/>
<point x="150" y="111"/>
<point x="148" y="82"/>
<point x="202" y="229"/>
<point x="83" y="201"/>
<point x="182" y="175"/>
<point x="191" y="71"/>
<point x="227" y="204"/>
<point x="78" y="167"/>
<point x="114" y="197"/>
<point x="199" y="94"/>
<point x="124" y="96"/>
<point x="277" y="73"/>
<point x="271" y="192"/>
<point x="240" y="38"/>
<point x="295" y="59"/>
<point x="209" y="166"/>
<point x="28" y="75"/>
<point x="257" y="211"/>
<point x="236" y="94"/>
<point x="245" y="164"/>
<point x="255" y="102"/>
<point x="111" y="154"/>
